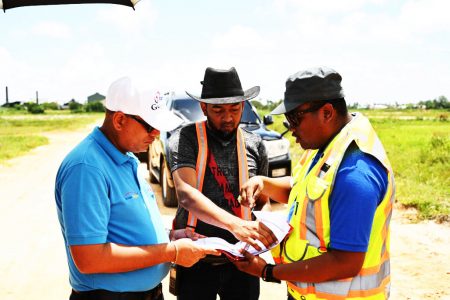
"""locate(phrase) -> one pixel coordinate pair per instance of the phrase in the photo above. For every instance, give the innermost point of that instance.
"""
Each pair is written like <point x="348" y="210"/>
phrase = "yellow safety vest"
<point x="310" y="220"/>
<point x="200" y="168"/>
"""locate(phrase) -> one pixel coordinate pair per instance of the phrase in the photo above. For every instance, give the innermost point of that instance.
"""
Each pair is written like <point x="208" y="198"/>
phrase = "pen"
<point x="247" y="245"/>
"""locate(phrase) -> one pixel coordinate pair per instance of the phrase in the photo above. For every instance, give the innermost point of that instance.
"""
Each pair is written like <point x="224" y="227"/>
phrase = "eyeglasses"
<point x="295" y="116"/>
<point x="147" y="126"/>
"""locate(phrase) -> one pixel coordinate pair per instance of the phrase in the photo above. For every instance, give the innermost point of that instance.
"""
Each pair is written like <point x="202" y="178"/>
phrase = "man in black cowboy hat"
<point x="209" y="162"/>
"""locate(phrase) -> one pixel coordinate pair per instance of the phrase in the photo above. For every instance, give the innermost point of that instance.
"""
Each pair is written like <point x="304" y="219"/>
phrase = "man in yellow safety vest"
<point x="339" y="198"/>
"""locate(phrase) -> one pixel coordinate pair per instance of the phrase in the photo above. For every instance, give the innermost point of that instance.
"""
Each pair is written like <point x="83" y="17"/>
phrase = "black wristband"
<point x="267" y="274"/>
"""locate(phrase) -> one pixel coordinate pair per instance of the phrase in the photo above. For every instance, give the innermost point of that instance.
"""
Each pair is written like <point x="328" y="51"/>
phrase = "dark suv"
<point x="189" y="110"/>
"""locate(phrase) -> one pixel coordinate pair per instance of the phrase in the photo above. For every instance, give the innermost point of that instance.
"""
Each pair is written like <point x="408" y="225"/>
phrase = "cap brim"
<point x="284" y="108"/>
<point x="164" y="120"/>
<point x="248" y="94"/>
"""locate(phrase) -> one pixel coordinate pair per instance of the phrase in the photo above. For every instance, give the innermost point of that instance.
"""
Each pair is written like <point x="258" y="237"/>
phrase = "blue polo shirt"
<point x="101" y="198"/>
<point x="360" y="185"/>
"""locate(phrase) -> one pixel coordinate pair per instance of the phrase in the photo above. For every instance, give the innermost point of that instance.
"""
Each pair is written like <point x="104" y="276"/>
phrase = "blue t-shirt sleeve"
<point x="360" y="186"/>
<point x="85" y="205"/>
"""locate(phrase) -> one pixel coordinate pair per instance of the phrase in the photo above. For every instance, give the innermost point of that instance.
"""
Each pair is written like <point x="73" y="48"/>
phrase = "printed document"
<point x="274" y="220"/>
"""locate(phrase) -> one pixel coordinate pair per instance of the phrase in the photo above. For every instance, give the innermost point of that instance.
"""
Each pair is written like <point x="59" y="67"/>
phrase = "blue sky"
<point x="386" y="51"/>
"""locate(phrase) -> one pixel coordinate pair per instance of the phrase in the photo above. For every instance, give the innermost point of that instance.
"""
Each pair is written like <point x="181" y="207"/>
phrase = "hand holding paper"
<point x="275" y="221"/>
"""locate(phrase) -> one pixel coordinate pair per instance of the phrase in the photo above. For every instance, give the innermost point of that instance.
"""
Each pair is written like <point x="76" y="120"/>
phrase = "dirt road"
<point x="33" y="263"/>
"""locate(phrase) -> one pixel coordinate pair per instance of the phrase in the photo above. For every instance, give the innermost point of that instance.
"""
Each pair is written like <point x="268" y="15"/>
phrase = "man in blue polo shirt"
<point x="116" y="244"/>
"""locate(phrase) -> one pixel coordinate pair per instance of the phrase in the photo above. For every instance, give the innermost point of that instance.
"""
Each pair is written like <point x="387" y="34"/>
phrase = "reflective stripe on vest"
<point x="200" y="168"/>
<point x="311" y="219"/>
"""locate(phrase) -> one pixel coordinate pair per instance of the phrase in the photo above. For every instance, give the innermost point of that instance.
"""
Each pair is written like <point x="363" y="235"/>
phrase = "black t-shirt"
<point x="183" y="150"/>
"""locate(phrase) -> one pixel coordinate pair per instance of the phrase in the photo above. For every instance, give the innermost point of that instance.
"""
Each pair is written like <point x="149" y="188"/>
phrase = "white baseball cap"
<point x="148" y="105"/>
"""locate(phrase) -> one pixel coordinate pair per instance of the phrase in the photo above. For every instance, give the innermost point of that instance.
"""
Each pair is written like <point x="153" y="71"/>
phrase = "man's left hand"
<point x="252" y="231"/>
<point x="184" y="233"/>
<point x="252" y="265"/>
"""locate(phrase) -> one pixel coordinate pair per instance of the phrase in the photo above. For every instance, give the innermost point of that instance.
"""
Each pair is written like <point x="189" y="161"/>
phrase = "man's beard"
<point x="223" y="135"/>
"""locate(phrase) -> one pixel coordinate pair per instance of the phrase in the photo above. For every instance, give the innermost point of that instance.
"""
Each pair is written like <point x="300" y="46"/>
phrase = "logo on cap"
<point x="156" y="99"/>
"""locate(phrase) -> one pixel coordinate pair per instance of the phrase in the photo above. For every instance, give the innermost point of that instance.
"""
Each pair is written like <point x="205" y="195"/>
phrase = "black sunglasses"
<point x="294" y="117"/>
<point x="147" y="126"/>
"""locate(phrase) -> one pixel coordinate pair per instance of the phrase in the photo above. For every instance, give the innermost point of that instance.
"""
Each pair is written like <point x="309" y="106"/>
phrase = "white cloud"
<point x="240" y="37"/>
<point x="128" y="20"/>
<point x="385" y="50"/>
<point x="426" y="16"/>
<point x="379" y="48"/>
<point x="12" y="74"/>
<point x="4" y="56"/>
<point x="321" y="7"/>
<point x="84" y="73"/>
<point x="52" y="29"/>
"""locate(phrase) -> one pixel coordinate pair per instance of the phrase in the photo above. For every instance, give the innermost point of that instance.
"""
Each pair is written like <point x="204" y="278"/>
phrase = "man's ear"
<point x="119" y="120"/>
<point x="203" y="107"/>
<point x="328" y="112"/>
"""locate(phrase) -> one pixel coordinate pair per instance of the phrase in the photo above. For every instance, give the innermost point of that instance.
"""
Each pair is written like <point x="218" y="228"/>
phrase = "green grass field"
<point x="418" y="146"/>
<point x="20" y="132"/>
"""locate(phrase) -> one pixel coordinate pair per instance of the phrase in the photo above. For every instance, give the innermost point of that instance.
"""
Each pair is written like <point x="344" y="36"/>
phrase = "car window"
<point x="190" y="110"/>
<point x="249" y="116"/>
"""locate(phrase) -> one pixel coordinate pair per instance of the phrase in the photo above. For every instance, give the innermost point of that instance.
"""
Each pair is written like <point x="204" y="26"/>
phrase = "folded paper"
<point x="273" y="220"/>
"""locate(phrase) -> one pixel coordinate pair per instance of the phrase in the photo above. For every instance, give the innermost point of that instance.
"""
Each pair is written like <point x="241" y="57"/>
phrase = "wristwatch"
<point x="267" y="274"/>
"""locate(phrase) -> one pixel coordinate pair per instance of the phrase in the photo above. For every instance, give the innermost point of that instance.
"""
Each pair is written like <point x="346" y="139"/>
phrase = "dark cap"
<point x="315" y="84"/>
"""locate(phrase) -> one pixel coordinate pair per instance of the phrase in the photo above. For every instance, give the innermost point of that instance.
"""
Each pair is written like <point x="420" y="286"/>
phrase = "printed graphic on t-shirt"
<point x="224" y="185"/>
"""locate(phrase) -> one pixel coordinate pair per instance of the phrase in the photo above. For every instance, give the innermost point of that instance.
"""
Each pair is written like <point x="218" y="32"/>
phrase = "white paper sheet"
<point x="274" y="220"/>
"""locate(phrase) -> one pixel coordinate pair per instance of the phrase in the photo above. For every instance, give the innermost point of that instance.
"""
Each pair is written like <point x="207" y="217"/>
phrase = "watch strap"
<point x="267" y="274"/>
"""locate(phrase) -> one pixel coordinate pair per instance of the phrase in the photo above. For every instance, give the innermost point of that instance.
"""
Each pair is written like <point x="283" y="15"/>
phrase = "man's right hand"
<point x="188" y="252"/>
<point x="251" y="231"/>
<point x="250" y="191"/>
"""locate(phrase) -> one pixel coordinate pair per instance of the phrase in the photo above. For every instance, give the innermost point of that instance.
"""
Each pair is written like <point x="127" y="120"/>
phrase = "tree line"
<point x="73" y="106"/>
<point x="440" y="102"/>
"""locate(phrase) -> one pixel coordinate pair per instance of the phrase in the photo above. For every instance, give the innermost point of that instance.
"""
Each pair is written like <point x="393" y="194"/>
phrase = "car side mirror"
<point x="268" y="120"/>
<point x="286" y="124"/>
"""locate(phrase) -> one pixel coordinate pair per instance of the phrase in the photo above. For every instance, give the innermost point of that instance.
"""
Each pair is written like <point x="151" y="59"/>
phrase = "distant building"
<point x="378" y="106"/>
<point x="95" y="97"/>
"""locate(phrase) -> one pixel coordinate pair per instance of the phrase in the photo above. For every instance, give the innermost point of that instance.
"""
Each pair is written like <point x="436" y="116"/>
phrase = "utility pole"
<point x="7" y="100"/>
<point x="37" y="97"/>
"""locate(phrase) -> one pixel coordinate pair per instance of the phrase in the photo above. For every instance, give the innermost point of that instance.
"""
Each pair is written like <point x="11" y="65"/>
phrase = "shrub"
<point x="95" y="106"/>
<point x="34" y="108"/>
<point x="19" y="107"/>
<point x="50" y="105"/>
<point x="438" y="151"/>
<point x="76" y="107"/>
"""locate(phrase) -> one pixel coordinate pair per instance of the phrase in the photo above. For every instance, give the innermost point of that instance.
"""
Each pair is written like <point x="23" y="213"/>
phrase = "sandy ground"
<point x="33" y="263"/>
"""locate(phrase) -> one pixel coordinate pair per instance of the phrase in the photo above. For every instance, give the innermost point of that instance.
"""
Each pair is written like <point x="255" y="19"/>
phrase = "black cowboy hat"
<point x="224" y="87"/>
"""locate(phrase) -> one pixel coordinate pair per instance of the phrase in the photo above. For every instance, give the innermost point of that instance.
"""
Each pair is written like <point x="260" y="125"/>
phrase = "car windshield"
<point x="188" y="108"/>
<point x="191" y="111"/>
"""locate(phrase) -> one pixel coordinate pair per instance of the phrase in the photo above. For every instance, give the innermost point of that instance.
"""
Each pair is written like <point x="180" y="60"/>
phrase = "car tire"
<point x="151" y="170"/>
<point x="169" y="194"/>
<point x="153" y="178"/>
